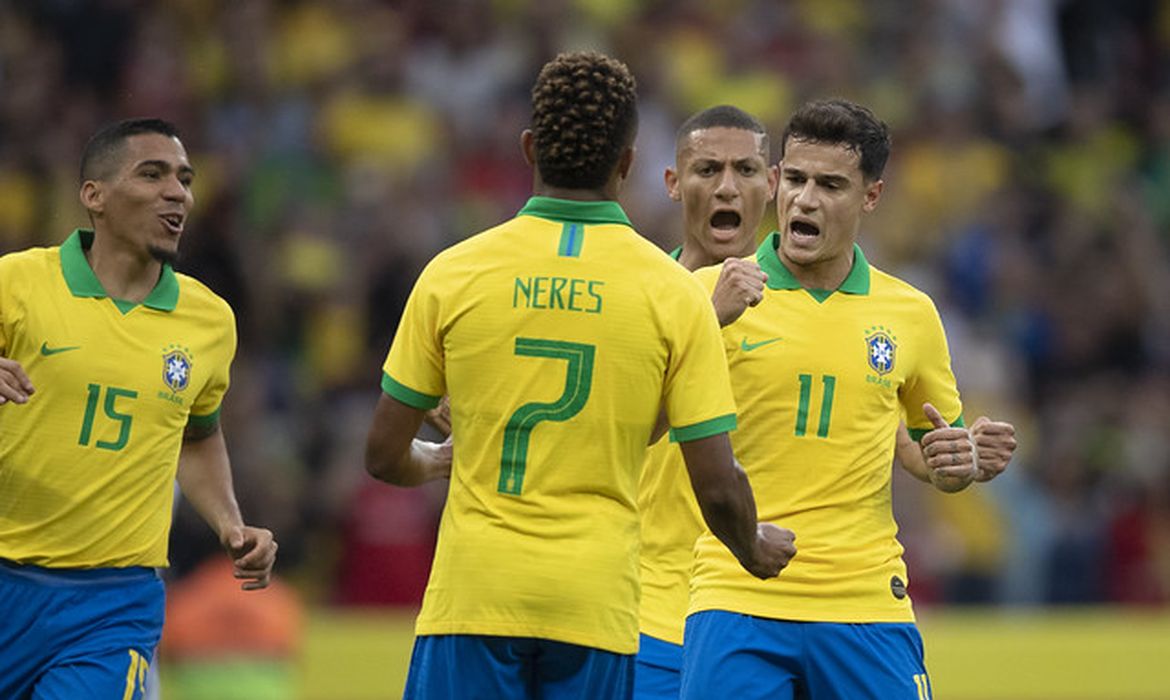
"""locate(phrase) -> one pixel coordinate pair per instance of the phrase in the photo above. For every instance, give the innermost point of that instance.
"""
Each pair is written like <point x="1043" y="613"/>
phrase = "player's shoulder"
<point x="198" y="297"/>
<point x="29" y="259"/>
<point x="887" y="285"/>
<point x="475" y="250"/>
<point x="670" y="272"/>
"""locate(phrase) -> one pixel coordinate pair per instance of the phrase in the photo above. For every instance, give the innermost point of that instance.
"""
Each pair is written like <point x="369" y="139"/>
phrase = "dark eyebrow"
<point x="829" y="179"/>
<point x="165" y="165"/>
<point x="833" y="180"/>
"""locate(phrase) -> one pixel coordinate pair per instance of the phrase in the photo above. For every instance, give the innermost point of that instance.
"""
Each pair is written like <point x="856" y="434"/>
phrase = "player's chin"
<point x="728" y="243"/>
<point x="166" y="254"/>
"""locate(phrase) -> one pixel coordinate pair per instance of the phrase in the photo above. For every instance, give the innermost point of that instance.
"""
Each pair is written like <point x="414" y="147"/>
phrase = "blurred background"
<point x="340" y="144"/>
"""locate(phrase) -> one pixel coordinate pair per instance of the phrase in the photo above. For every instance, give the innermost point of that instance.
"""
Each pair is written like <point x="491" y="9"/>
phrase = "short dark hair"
<point x="722" y="116"/>
<point x="839" y="121"/>
<point x="100" y="154"/>
<point x="584" y="114"/>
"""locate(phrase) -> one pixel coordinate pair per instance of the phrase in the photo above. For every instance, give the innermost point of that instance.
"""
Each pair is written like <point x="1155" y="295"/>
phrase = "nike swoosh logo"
<point x="46" y="350"/>
<point x="748" y="347"/>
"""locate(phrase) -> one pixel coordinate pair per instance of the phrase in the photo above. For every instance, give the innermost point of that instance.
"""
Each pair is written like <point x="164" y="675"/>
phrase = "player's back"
<point x="559" y="332"/>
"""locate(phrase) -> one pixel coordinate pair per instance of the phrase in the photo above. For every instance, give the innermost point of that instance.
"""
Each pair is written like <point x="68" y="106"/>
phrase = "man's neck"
<point x="693" y="257"/>
<point x="123" y="274"/>
<point x="578" y="195"/>
<point x="827" y="275"/>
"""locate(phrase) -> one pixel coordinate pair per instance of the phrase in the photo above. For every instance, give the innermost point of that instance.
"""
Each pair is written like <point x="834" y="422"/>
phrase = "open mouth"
<point x="725" y="220"/>
<point x="804" y="228"/>
<point x="174" y="222"/>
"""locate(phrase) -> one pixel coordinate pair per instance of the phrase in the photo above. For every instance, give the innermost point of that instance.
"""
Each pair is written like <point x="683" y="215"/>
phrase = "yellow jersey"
<point x="822" y="379"/>
<point x="671" y="522"/>
<point x="558" y="335"/>
<point x="87" y="466"/>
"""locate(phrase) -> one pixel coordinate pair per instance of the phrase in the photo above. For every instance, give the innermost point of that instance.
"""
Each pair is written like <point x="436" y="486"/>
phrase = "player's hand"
<point x="950" y="453"/>
<point x="439" y="417"/>
<point x="740" y="285"/>
<point x="253" y="552"/>
<point x="15" y="385"/>
<point x="995" y="441"/>
<point x="433" y="458"/>
<point x="774" y="548"/>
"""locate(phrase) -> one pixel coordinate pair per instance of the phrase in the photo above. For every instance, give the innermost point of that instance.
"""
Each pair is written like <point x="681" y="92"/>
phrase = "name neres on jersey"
<point x="567" y="293"/>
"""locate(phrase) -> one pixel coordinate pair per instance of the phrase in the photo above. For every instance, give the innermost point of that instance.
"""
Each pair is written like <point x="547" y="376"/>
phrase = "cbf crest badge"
<point x="881" y="350"/>
<point x="176" y="367"/>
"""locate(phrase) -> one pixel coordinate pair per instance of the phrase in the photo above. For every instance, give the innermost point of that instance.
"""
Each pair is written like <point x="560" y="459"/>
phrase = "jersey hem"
<point x="430" y="629"/>
<point x="665" y="633"/>
<point x="772" y="612"/>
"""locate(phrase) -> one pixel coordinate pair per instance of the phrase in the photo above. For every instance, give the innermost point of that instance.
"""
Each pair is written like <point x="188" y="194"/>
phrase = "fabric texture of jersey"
<point x="729" y="655"/>
<point x="671" y="522"/>
<point x="87" y="466"/>
<point x="558" y="336"/>
<point x="821" y="380"/>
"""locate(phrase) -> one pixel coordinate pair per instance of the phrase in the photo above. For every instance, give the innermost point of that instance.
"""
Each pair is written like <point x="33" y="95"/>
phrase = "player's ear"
<point x="671" y="179"/>
<point x="528" y="147"/>
<point x="625" y="162"/>
<point x="92" y="196"/>
<point x="773" y="180"/>
<point x="873" y="192"/>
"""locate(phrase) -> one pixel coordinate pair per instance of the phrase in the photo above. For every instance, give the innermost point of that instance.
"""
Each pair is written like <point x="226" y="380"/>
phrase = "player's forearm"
<point x="729" y="510"/>
<point x="205" y="478"/>
<point x="724" y="494"/>
<point x="420" y="463"/>
<point x="392" y="453"/>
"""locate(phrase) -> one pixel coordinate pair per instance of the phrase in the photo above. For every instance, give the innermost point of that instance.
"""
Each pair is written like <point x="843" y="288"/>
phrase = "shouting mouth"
<point x="803" y="230"/>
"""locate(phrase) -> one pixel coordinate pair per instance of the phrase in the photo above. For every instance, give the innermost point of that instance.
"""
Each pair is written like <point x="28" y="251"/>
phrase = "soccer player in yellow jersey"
<point x="723" y="180"/>
<point x="823" y="368"/>
<point x="112" y="370"/>
<point x="557" y="335"/>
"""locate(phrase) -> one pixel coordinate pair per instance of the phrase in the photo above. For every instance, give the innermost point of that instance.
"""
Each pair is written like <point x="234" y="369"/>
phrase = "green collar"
<point x="676" y="253"/>
<point x="780" y="278"/>
<point x="573" y="211"/>
<point x="83" y="283"/>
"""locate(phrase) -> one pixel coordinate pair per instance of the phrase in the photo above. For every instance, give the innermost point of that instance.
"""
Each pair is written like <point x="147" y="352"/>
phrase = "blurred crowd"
<point x="338" y="145"/>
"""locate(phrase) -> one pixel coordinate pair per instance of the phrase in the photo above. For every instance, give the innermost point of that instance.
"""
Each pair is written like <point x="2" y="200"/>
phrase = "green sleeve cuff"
<point x="917" y="433"/>
<point x="698" y="431"/>
<point x="204" y="422"/>
<point x="408" y="396"/>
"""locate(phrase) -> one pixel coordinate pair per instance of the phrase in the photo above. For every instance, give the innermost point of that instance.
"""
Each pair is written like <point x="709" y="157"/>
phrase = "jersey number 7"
<point x="578" y="382"/>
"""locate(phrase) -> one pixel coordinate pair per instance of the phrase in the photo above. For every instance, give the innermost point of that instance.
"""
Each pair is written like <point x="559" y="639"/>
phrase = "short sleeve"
<point x="205" y="409"/>
<point x="413" y="371"/>
<point x="932" y="379"/>
<point x="697" y="391"/>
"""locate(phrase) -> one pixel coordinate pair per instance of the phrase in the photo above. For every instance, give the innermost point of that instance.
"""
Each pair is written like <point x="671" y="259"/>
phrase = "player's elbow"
<point x="383" y="466"/>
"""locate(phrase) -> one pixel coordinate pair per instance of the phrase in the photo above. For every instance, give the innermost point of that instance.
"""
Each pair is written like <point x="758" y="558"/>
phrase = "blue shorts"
<point x="474" y="667"/>
<point x="77" y="634"/>
<point x="729" y="655"/>
<point x="657" y="669"/>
